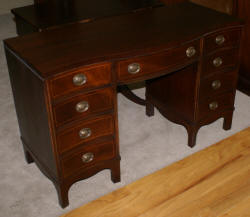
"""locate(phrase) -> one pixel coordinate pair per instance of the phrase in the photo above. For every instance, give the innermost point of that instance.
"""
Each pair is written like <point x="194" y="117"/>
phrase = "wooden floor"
<point x="212" y="182"/>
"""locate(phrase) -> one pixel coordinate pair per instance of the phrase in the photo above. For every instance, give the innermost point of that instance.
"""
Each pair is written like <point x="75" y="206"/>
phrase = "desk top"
<point x="56" y="50"/>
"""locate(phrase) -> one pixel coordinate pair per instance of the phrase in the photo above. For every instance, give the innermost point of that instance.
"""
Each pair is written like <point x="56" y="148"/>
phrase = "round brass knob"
<point x="85" y="133"/>
<point x="79" y="79"/>
<point x="190" y="52"/>
<point x="87" y="157"/>
<point x="220" y="39"/>
<point x="134" y="68"/>
<point x="216" y="84"/>
<point x="82" y="106"/>
<point x="213" y="105"/>
<point x="217" y="62"/>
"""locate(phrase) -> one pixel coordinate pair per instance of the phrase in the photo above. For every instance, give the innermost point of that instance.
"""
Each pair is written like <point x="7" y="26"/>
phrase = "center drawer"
<point x="83" y="105"/>
<point x="140" y="67"/>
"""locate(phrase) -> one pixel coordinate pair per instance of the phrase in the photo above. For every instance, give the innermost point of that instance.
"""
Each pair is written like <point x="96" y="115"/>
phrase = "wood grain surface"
<point x="212" y="182"/>
<point x="61" y="49"/>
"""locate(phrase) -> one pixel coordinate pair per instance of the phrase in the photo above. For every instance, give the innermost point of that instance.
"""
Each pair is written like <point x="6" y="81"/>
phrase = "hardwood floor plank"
<point x="240" y="210"/>
<point x="193" y="180"/>
<point x="214" y="188"/>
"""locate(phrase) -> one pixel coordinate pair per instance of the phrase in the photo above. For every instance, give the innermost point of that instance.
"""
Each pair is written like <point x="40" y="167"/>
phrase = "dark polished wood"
<point x="69" y="138"/>
<point x="171" y="57"/>
<point x="98" y="101"/>
<point x="48" y="14"/>
<point x="96" y="76"/>
<point x="239" y="8"/>
<point x="126" y="91"/>
<point x="244" y="77"/>
<point x="225" y="6"/>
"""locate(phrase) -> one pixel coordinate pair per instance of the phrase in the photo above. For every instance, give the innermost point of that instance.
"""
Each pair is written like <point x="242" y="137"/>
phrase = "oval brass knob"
<point x="79" y="79"/>
<point x="220" y="39"/>
<point x="82" y="106"/>
<point x="87" y="157"/>
<point x="134" y="68"/>
<point x="85" y="133"/>
<point x="213" y="105"/>
<point x="217" y="62"/>
<point x="190" y="52"/>
<point x="216" y="84"/>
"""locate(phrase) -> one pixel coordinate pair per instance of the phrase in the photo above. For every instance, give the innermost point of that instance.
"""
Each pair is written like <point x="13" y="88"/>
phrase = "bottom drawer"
<point x="87" y="156"/>
<point x="216" y="105"/>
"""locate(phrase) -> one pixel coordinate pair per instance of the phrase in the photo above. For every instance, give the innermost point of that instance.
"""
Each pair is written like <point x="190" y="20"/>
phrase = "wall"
<point x="7" y="5"/>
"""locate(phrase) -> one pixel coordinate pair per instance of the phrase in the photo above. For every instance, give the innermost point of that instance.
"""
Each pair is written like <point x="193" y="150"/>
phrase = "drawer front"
<point x="83" y="105"/>
<point x="136" y="68"/>
<point x="220" y="61"/>
<point x="87" y="156"/>
<point x="213" y="106"/>
<point x="82" y="133"/>
<point x="81" y="79"/>
<point x="218" y="83"/>
<point x="222" y="39"/>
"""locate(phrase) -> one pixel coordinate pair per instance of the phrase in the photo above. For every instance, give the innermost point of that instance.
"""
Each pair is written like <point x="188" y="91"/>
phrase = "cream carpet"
<point x="147" y="144"/>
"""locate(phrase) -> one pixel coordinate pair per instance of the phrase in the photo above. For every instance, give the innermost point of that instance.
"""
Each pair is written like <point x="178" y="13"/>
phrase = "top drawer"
<point x="226" y="38"/>
<point x="80" y="79"/>
<point x="144" y="67"/>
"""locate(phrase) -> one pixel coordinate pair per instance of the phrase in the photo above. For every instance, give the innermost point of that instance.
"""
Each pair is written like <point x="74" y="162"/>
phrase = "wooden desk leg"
<point x="115" y="172"/>
<point x="62" y="192"/>
<point x="27" y="156"/>
<point x="227" y="124"/>
<point x="192" y="134"/>
<point x="149" y="109"/>
<point x="149" y="106"/>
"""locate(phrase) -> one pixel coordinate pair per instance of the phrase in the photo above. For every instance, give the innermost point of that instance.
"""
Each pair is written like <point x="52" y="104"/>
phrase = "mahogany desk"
<point x="65" y="83"/>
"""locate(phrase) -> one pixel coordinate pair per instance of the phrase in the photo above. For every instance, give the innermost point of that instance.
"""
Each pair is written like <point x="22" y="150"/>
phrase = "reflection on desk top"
<point x="52" y="13"/>
<point x="56" y="50"/>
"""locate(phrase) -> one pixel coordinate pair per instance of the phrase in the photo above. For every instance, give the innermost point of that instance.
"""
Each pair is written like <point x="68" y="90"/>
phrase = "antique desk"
<point x="65" y="81"/>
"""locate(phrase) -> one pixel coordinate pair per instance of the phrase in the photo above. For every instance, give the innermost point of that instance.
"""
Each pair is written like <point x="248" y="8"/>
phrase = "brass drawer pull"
<point x="213" y="105"/>
<point x="134" y="68"/>
<point x="79" y="79"/>
<point x="220" y="39"/>
<point x="87" y="157"/>
<point x="190" y="52"/>
<point x="217" y="62"/>
<point x="85" y="133"/>
<point x="216" y="84"/>
<point x="82" y="106"/>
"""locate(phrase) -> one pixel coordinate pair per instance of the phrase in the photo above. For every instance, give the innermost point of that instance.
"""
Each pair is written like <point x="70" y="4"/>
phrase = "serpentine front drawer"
<point x="83" y="106"/>
<point x="222" y="39"/>
<point x="221" y="60"/>
<point x="81" y="79"/>
<point x="218" y="83"/>
<point x="139" y="67"/>
<point x="87" y="156"/>
<point x="216" y="105"/>
<point x="84" y="132"/>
